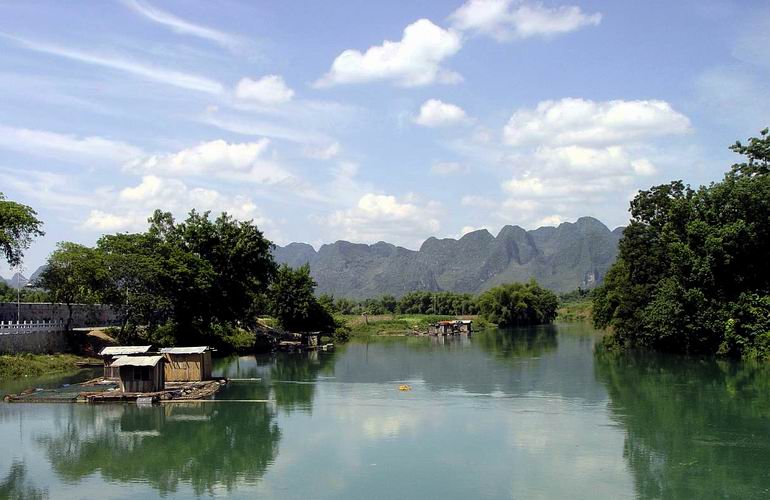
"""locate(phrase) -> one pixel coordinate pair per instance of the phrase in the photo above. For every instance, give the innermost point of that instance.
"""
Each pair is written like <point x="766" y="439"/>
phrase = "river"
<point x="527" y="413"/>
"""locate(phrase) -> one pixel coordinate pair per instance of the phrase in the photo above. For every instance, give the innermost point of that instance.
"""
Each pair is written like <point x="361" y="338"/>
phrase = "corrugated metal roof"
<point x="137" y="361"/>
<point x="122" y="350"/>
<point x="185" y="350"/>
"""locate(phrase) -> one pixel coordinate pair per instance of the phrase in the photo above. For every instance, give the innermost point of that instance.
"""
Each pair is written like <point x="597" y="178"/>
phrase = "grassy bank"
<point x="398" y="324"/>
<point x="13" y="366"/>
<point x="575" y="311"/>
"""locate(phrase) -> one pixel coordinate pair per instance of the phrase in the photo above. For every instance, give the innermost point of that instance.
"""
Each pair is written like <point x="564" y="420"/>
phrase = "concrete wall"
<point x="83" y="314"/>
<point x="34" y="337"/>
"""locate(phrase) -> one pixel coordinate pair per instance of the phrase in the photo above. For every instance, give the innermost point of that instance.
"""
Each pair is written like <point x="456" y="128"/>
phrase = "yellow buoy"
<point x="404" y="387"/>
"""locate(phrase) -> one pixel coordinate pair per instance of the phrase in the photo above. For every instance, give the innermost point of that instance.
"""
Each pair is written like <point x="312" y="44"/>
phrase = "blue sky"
<point x="369" y="121"/>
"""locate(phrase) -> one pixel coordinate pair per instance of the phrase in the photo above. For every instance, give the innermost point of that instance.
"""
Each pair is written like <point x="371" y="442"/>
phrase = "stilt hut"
<point x="140" y="373"/>
<point x="187" y="364"/>
<point x="110" y="354"/>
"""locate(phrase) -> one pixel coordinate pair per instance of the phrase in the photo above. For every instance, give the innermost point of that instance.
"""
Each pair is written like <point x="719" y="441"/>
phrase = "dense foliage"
<point x="421" y="302"/>
<point x="193" y="281"/>
<point x="518" y="304"/>
<point x="8" y="294"/>
<point x="294" y="304"/>
<point x="18" y="225"/>
<point x="693" y="274"/>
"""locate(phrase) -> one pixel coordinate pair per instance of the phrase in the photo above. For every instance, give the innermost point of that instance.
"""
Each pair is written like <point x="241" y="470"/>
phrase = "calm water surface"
<point x="506" y="414"/>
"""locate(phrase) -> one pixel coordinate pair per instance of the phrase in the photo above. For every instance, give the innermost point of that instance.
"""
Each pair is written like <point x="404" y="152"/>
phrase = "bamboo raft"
<point x="106" y="391"/>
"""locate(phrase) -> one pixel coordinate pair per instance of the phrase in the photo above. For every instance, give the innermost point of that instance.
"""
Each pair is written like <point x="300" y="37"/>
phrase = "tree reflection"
<point x="694" y="428"/>
<point x="15" y="484"/>
<point x="518" y="342"/>
<point x="294" y="376"/>
<point x="206" y="445"/>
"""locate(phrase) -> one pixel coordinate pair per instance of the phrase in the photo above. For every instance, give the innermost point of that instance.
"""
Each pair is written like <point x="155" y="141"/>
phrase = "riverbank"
<point x="400" y="325"/>
<point x="575" y="311"/>
<point x="14" y="366"/>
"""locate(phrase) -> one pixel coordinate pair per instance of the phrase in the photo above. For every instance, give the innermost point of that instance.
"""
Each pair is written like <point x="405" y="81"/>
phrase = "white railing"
<point x="26" y="327"/>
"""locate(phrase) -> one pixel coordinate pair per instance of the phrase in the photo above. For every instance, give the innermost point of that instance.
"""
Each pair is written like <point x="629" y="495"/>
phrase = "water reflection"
<point x="518" y="342"/>
<point x="287" y="379"/>
<point x="694" y="428"/>
<point x="17" y="485"/>
<point x="205" y="445"/>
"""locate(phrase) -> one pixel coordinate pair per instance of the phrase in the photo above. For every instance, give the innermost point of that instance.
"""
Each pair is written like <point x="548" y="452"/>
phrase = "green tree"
<point x="518" y="304"/>
<point x="74" y="274"/>
<point x="294" y="304"/>
<point x="18" y="225"/>
<point x="692" y="273"/>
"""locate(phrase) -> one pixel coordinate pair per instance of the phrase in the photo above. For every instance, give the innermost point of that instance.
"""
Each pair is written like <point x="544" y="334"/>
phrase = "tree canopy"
<point x="18" y="226"/>
<point x="518" y="304"/>
<point x="692" y="273"/>
<point x="293" y="302"/>
<point x="176" y="282"/>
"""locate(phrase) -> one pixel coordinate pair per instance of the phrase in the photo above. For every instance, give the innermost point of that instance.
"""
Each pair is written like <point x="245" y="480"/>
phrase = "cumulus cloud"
<point x="268" y="90"/>
<point x="218" y="158"/>
<point x="449" y="168"/>
<point x="573" y="156"/>
<point x="436" y="113"/>
<point x="87" y="150"/>
<point x="133" y="205"/>
<point x="582" y="121"/>
<point x="414" y="60"/>
<point x="379" y="217"/>
<point x="99" y="220"/>
<point x="510" y="19"/>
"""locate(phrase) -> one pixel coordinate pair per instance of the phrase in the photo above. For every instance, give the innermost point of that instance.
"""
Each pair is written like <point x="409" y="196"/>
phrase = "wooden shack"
<point x="187" y="364"/>
<point x="140" y="373"/>
<point x="110" y="354"/>
<point x="452" y="327"/>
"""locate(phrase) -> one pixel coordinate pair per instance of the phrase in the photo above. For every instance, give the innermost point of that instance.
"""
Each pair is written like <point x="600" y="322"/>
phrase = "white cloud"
<point x="449" y="168"/>
<point x="106" y="222"/>
<point x="323" y="152"/>
<point x="183" y="26"/>
<point x="130" y="208"/>
<point x="476" y="201"/>
<point x="66" y="146"/>
<point x="414" y="60"/>
<point x="436" y="113"/>
<point x="239" y="161"/>
<point x="379" y="217"/>
<point x="574" y="157"/>
<point x="580" y="121"/>
<point x="157" y="74"/>
<point x="268" y="90"/>
<point x="509" y="19"/>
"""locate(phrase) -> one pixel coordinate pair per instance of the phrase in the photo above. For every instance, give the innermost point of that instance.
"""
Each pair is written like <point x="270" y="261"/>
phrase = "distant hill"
<point x="18" y="280"/>
<point x="560" y="258"/>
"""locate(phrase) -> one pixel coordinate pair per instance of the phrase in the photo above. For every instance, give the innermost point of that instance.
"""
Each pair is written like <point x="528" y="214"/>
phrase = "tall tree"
<point x="74" y="274"/>
<point x="18" y="225"/>
<point x="294" y="304"/>
<point x="692" y="273"/>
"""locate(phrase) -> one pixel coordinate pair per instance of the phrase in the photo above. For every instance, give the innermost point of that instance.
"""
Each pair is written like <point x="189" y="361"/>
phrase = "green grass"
<point x="32" y="365"/>
<point x="575" y="311"/>
<point x="397" y="324"/>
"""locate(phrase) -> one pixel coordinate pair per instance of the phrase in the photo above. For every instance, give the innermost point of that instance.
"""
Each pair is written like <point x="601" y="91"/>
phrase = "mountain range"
<point x="18" y="280"/>
<point x="560" y="258"/>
